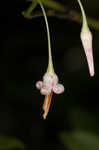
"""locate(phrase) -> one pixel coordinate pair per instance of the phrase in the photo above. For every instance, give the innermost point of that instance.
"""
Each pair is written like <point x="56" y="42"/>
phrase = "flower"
<point x="49" y="84"/>
<point x="86" y="38"/>
<point x="47" y="87"/>
<point x="50" y="79"/>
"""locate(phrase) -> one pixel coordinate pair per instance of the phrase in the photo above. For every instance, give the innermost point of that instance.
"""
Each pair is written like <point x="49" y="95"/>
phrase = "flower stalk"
<point x="50" y="62"/>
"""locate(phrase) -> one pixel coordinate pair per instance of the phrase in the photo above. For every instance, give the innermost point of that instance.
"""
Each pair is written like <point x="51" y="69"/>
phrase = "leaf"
<point x="10" y="143"/>
<point x="54" y="5"/>
<point x="27" y="13"/>
<point x="80" y="140"/>
<point x="82" y="119"/>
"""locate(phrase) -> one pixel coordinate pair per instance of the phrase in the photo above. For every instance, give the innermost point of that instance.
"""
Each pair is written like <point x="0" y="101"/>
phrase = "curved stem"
<point x="50" y="63"/>
<point x="83" y="14"/>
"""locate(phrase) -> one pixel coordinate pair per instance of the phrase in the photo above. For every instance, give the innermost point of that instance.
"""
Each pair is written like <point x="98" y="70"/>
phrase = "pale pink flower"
<point x="50" y="80"/>
<point x="50" y="83"/>
<point x="86" y="38"/>
<point x="47" y="87"/>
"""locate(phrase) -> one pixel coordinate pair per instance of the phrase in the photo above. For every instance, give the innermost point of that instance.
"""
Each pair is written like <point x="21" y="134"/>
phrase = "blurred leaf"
<point x="27" y="13"/>
<point x="52" y="4"/>
<point x="80" y="140"/>
<point x="10" y="143"/>
<point x="80" y="119"/>
<point x="94" y="23"/>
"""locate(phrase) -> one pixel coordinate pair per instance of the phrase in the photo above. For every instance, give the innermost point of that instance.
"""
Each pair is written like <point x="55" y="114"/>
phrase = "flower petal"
<point x="58" y="89"/>
<point x="39" y="84"/>
<point x="45" y="91"/>
<point x="86" y="38"/>
<point x="50" y="79"/>
<point x="90" y="61"/>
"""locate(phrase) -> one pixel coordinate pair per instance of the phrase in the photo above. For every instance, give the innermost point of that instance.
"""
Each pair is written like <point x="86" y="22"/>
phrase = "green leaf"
<point x="80" y="119"/>
<point x="27" y="13"/>
<point x="80" y="140"/>
<point x="10" y="143"/>
<point x="54" y="5"/>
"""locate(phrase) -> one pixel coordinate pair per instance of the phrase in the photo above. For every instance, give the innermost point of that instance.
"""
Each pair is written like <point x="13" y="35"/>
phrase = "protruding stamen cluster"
<point x="50" y="83"/>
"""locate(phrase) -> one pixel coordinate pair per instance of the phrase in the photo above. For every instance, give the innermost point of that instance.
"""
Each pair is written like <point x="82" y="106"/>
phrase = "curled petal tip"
<point x="39" y="84"/>
<point x="58" y="89"/>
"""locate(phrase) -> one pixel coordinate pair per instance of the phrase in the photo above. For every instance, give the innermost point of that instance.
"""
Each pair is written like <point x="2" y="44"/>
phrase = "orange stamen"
<point x="46" y="105"/>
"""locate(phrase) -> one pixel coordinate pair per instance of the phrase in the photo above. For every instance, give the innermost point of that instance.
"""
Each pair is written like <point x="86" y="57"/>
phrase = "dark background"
<point x="23" y="61"/>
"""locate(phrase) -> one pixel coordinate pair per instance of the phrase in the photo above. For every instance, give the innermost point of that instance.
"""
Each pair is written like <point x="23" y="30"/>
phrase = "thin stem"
<point x="83" y="14"/>
<point x="50" y="63"/>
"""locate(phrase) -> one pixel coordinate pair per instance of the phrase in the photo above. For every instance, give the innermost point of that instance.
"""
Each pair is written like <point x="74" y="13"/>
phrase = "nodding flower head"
<point x="50" y="84"/>
<point x="47" y="87"/>
<point x="50" y="79"/>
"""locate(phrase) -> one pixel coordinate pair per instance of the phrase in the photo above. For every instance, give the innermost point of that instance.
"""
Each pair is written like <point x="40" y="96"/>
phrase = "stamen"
<point x="46" y="105"/>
